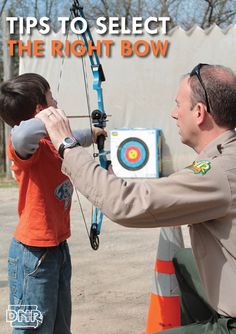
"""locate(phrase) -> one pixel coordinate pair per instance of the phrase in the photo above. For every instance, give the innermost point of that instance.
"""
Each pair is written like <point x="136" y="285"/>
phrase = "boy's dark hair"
<point x="20" y="96"/>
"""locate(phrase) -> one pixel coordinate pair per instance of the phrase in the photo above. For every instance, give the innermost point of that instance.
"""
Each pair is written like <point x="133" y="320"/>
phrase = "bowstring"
<point x="63" y="58"/>
<point x="86" y="87"/>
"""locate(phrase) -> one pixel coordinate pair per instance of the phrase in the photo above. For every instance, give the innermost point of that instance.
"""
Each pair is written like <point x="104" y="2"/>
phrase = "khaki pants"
<point x="197" y="316"/>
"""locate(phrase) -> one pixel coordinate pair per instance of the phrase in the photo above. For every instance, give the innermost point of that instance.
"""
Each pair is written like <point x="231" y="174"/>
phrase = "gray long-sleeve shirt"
<point x="26" y="136"/>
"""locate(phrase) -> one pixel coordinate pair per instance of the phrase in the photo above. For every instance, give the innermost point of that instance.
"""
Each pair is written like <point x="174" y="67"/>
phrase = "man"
<point x="202" y="195"/>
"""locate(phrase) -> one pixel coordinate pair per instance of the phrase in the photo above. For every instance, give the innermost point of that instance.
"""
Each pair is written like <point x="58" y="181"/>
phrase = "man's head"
<point x="23" y="97"/>
<point x="206" y="104"/>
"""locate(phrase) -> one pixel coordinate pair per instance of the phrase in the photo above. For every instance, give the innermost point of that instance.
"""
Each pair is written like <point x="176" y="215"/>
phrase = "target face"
<point x="133" y="154"/>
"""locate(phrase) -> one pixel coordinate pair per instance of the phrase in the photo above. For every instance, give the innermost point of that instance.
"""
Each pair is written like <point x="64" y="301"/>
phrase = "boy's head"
<point x="23" y="97"/>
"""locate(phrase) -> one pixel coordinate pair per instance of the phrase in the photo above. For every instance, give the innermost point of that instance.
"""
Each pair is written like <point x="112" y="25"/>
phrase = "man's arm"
<point x="182" y="198"/>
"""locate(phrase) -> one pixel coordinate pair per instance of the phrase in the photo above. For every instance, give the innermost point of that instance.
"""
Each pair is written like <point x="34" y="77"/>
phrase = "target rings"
<point x="133" y="154"/>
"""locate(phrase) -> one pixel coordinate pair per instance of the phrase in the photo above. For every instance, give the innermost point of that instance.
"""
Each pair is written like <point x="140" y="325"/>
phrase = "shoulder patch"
<point x="200" y="167"/>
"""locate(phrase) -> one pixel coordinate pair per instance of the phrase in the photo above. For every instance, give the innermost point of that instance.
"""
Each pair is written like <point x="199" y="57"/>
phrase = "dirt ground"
<point x="110" y="287"/>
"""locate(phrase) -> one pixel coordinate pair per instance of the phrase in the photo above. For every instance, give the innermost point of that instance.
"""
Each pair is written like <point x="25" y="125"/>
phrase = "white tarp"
<point x="138" y="92"/>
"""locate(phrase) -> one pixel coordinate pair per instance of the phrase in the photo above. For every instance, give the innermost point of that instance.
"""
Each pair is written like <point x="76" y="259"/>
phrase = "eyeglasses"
<point x="196" y="71"/>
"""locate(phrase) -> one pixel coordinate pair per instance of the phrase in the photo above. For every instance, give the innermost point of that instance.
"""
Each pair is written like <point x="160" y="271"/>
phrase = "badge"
<point x="200" y="167"/>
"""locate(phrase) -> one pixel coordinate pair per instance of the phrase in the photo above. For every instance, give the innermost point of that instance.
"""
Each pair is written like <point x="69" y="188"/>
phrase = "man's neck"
<point x="208" y="137"/>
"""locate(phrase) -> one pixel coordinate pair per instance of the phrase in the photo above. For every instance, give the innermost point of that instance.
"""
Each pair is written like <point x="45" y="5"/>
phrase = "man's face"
<point x="51" y="102"/>
<point x="183" y="114"/>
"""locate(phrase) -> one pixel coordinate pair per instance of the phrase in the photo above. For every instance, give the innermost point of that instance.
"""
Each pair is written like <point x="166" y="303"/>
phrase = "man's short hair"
<point x="19" y="97"/>
<point x="220" y="85"/>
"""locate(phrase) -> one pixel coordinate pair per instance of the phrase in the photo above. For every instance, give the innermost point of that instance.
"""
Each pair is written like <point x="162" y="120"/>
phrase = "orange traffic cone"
<point x="164" y="307"/>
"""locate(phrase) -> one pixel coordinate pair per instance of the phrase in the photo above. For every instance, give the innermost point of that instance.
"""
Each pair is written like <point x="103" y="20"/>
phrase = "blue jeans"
<point x="40" y="291"/>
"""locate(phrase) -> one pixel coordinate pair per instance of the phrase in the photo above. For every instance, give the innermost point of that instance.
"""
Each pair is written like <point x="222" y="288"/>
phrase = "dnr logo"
<point x="24" y="316"/>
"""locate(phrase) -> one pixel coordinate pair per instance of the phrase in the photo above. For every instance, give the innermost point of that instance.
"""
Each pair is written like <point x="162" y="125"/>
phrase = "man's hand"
<point x="56" y="123"/>
<point x="98" y="132"/>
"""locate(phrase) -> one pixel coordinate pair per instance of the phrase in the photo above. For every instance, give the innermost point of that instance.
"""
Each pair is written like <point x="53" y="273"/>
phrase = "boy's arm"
<point x="88" y="136"/>
<point x="26" y="136"/>
<point x="84" y="136"/>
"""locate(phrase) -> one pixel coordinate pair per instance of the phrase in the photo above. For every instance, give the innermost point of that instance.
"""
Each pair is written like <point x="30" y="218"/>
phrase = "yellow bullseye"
<point x="133" y="154"/>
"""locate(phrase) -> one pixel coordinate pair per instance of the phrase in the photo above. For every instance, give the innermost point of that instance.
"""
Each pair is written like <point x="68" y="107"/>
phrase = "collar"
<point x="216" y="146"/>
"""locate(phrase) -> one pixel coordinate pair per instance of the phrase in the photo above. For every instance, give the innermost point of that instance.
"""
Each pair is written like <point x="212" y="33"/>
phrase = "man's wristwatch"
<point x="68" y="142"/>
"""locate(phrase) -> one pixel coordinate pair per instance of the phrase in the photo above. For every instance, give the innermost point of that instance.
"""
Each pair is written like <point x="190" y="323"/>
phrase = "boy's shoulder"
<point x="45" y="153"/>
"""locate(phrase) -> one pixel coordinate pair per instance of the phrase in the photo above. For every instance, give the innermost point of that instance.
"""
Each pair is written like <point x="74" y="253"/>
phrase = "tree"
<point x="220" y="12"/>
<point x="185" y="13"/>
<point x="3" y="7"/>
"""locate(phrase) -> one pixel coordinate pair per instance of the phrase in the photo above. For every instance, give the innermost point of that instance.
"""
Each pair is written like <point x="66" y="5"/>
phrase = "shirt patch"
<point x="64" y="192"/>
<point x="200" y="167"/>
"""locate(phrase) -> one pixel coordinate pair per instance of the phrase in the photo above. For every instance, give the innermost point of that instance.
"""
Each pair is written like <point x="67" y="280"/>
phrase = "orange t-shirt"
<point x="44" y="197"/>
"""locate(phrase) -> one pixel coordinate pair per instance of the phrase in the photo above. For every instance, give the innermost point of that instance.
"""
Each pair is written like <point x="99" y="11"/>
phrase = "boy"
<point x="39" y="265"/>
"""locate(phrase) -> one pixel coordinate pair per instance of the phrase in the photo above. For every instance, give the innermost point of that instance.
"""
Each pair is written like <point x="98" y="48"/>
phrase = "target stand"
<point x="135" y="153"/>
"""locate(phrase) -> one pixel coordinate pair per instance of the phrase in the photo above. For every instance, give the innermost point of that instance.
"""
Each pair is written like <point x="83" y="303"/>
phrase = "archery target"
<point x="135" y="153"/>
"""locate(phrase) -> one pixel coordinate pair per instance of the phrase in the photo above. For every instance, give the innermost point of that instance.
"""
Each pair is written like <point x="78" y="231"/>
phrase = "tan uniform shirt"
<point x="202" y="195"/>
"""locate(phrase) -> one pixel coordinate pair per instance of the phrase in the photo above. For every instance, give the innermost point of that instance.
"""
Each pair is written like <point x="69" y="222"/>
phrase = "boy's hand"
<point x="96" y="132"/>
